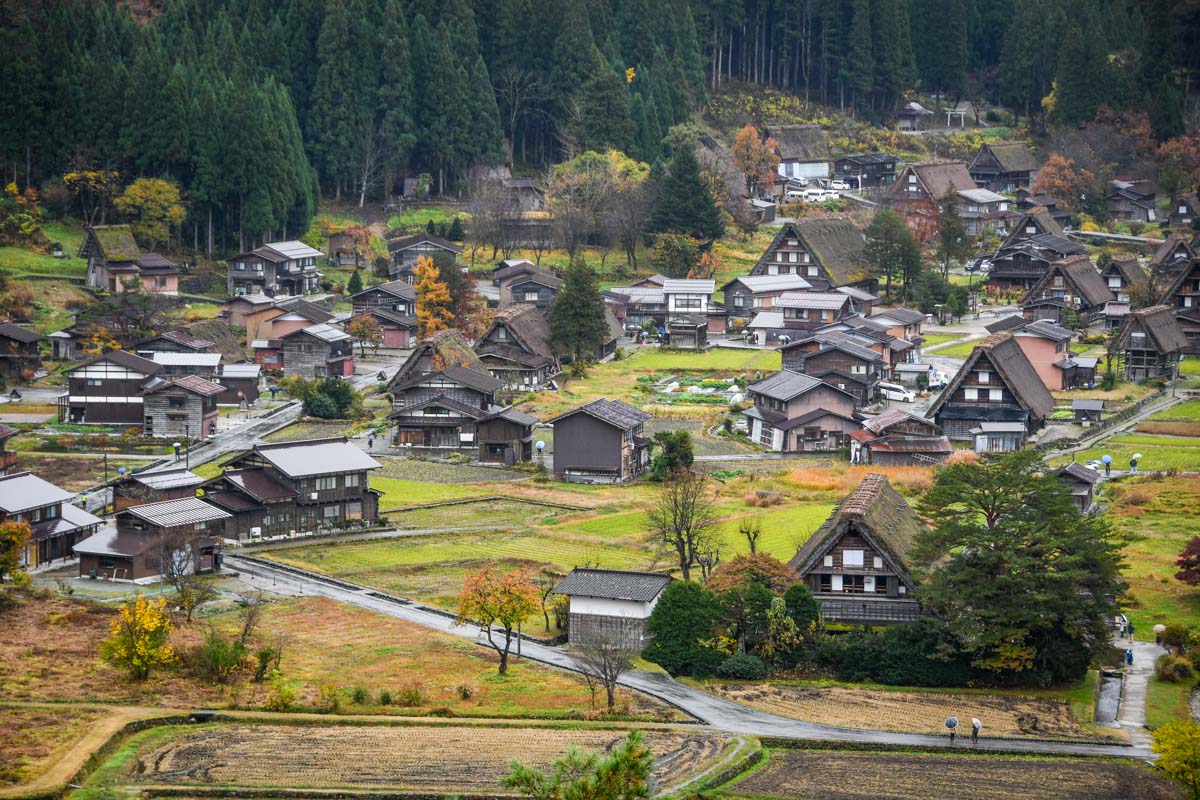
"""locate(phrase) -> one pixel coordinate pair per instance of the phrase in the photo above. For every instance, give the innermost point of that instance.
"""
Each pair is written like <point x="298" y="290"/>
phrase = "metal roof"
<point x="294" y="249"/>
<point x="905" y="316"/>
<point x="1000" y="427"/>
<point x="983" y="196"/>
<point x="23" y="491"/>
<point x="316" y="457"/>
<point x="785" y="385"/>
<point x="1087" y="405"/>
<point x="611" y="584"/>
<point x="857" y="294"/>
<point x="767" y="319"/>
<point x="821" y="300"/>
<point x="689" y="286"/>
<point x="110" y="543"/>
<point x="241" y="371"/>
<point x="168" y="479"/>
<point x="617" y="413"/>
<point x="172" y="513"/>
<point x="771" y="283"/>
<point x="185" y="359"/>
<point x="324" y="332"/>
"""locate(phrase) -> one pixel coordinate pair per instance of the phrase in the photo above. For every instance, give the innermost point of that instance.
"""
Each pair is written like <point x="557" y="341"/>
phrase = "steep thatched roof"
<point x="939" y="176"/>
<point x="834" y="242"/>
<point x="115" y="242"/>
<point x="1078" y="271"/>
<point x="1159" y="324"/>
<point x="436" y="352"/>
<point x="875" y="511"/>
<point x="1012" y="156"/>
<point x="528" y="330"/>
<point x="1014" y="368"/>
<point x="1127" y="267"/>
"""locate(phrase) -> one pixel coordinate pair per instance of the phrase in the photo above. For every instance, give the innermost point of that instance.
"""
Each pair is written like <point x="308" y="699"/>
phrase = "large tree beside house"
<point x="577" y="323"/>
<point x="891" y="251"/>
<point x="685" y="204"/>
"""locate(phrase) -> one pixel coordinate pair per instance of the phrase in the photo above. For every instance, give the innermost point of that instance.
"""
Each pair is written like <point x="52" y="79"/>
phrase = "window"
<point x="161" y="283"/>
<point x="329" y="512"/>
<point x="792" y="257"/>
<point x="758" y="302"/>
<point x="1114" y="282"/>
<point x="995" y="395"/>
<point x="1030" y="229"/>
<point x="852" y="583"/>
<point x="95" y="382"/>
<point x="971" y="394"/>
<point x="985" y="376"/>
<point x="912" y="179"/>
<point x="352" y="480"/>
<point x="806" y="259"/>
<point x="812" y="272"/>
<point x="858" y="369"/>
<point x="501" y="332"/>
<point x="325" y="483"/>
<point x="354" y="510"/>
<point x="739" y="301"/>
<point x="828" y="561"/>
<point x="877" y="562"/>
<point x="793" y="242"/>
<point x="176" y="402"/>
<point x="852" y="558"/>
<point x="240" y="266"/>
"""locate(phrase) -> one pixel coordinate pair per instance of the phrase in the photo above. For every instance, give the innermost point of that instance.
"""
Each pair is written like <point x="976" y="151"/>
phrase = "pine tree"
<point x="577" y="323"/>
<point x="485" y="116"/>
<point x="685" y="205"/>
<point x="1079" y="86"/>
<point x="891" y="251"/>
<point x="395" y="93"/>
<point x="862" y="63"/>
<point x="355" y="284"/>
<point x="603" y="110"/>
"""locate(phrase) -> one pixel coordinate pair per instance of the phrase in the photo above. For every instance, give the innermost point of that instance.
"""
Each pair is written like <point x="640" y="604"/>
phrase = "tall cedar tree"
<point x="395" y="92"/>
<point x="1023" y="579"/>
<point x="435" y="307"/>
<point x="685" y="204"/>
<point x="602" y="106"/>
<point x="577" y="322"/>
<point x="891" y="251"/>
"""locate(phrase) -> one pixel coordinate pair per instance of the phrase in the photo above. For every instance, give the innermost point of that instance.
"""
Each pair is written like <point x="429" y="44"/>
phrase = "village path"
<point x="1132" y="715"/>
<point x="709" y="709"/>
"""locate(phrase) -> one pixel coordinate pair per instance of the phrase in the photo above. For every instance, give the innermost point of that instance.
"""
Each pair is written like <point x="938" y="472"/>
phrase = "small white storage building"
<point x="610" y="605"/>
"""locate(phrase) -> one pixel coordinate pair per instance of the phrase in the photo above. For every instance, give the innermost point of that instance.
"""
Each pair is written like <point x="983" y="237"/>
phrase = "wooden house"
<point x="20" y="353"/>
<point x="177" y="341"/>
<point x="1003" y="167"/>
<point x="516" y="348"/>
<point x="317" y="351"/>
<point x="913" y="116"/>
<point x="536" y="287"/>
<point x="826" y="251"/>
<point x="750" y="294"/>
<point x="1150" y="344"/>
<point x="282" y="317"/>
<point x="919" y="189"/>
<point x="239" y="308"/>
<point x="905" y="324"/>
<point x="857" y="563"/>
<point x="1131" y="201"/>
<point x="642" y="304"/>
<point x="898" y="438"/>
<point x="1183" y="296"/>
<point x="156" y="540"/>
<point x="840" y="361"/>
<point x="1047" y="345"/>
<point x="803" y="151"/>
<point x="1121" y="274"/>
<point x="277" y="269"/>
<point x="984" y="211"/>
<point x="1069" y="284"/>
<point x="137" y="488"/>
<point x="395" y="296"/>
<point x="997" y="384"/>
<point x="180" y="408"/>
<point x="795" y="413"/>
<point x="114" y="260"/>
<point x="524" y="194"/>
<point x="399" y="330"/>
<point x="600" y="442"/>
<point x="1034" y="243"/>
<point x="349" y="248"/>
<point x="805" y="311"/>
<point x="240" y="383"/>
<point x="106" y="390"/>
<point x="1185" y="210"/>
<point x="505" y="437"/>
<point x="610" y="607"/>
<point x="866" y="170"/>
<point x="437" y="352"/>
<point x="405" y="250"/>
<point x="1087" y="412"/>
<point x="54" y="524"/>
<point x="292" y="488"/>
<point x="1028" y="202"/>
<point x="204" y="365"/>
<point x="1081" y="483"/>
<point x="688" y="331"/>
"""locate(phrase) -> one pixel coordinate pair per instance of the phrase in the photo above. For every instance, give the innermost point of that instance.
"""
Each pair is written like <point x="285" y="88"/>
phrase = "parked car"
<point x="980" y="264"/>
<point x="816" y="195"/>
<point x="839" y="185"/>
<point x="798" y="194"/>
<point x="938" y="379"/>
<point x="894" y="391"/>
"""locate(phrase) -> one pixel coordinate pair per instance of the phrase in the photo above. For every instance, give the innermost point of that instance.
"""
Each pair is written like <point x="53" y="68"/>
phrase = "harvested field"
<point x="911" y="712"/>
<point x="74" y="472"/>
<point x="32" y="739"/>
<point x="829" y="775"/>
<point x="450" y="759"/>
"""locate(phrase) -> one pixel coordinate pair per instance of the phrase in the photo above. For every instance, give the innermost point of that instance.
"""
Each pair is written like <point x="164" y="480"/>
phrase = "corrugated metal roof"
<point x="168" y="479"/>
<point x="819" y="300"/>
<point x="785" y="385"/>
<point x="22" y="491"/>
<point x="767" y="319"/>
<point x="771" y="283"/>
<point x="316" y="457"/>
<point x="172" y="513"/>
<point x="689" y="286"/>
<point x="324" y="332"/>
<point x="294" y="249"/>
<point x="241" y="371"/>
<point x="611" y="584"/>
<point x="185" y="359"/>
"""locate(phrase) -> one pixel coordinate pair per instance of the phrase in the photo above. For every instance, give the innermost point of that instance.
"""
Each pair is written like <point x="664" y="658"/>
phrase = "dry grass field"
<point x="32" y="739"/>
<point x="448" y="759"/>
<point x="829" y="775"/>
<point x="911" y="711"/>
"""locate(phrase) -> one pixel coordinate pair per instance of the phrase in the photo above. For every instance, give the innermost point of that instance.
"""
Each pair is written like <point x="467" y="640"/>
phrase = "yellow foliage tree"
<point x="138" y="638"/>
<point x="435" y="307"/>
<point x="14" y="535"/>
<point x="367" y="330"/>
<point x="154" y="208"/>
<point x="98" y="339"/>
<point x="1178" y="746"/>
<point x="501" y="599"/>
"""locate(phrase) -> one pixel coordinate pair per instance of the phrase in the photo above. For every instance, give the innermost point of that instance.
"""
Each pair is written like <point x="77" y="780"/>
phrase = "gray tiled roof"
<point x="820" y="300"/>
<point x="617" y="413"/>
<point x="785" y="385"/>
<point x="170" y="513"/>
<point x="22" y="491"/>
<point x="613" y="584"/>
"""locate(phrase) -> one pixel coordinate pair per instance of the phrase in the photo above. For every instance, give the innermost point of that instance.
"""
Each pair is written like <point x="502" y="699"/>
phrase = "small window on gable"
<point x="877" y="562"/>
<point x="828" y="561"/>
<point x="852" y="558"/>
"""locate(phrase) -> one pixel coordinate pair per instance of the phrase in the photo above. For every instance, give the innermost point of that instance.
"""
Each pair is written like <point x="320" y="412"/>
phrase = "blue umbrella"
<point x="1107" y="459"/>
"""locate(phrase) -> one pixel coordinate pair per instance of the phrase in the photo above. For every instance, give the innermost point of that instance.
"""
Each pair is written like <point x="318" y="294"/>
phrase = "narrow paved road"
<point x="1133" y="700"/>
<point x="717" y="712"/>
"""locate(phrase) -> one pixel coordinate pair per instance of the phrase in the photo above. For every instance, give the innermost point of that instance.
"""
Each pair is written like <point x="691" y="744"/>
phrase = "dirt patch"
<point x="822" y="775"/>
<point x="219" y="333"/>
<point x="73" y="473"/>
<point x="1170" y="428"/>
<point x="446" y="760"/>
<point x="911" y="712"/>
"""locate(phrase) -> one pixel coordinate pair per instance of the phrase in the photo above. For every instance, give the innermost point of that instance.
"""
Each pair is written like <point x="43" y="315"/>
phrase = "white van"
<point x="893" y="391"/>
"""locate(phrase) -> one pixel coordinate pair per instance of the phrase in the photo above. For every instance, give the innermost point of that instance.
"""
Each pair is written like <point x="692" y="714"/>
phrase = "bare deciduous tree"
<point x="177" y="564"/>
<point x="683" y="518"/>
<point x="494" y="212"/>
<point x="519" y="92"/>
<point x="604" y="662"/>
<point x="370" y="151"/>
<point x="751" y="529"/>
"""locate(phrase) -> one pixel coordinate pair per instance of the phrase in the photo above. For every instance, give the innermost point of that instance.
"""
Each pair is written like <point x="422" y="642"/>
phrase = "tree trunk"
<point x="610" y="688"/>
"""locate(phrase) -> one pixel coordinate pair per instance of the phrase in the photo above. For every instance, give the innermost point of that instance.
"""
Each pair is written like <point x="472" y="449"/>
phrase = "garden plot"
<point x="831" y="775"/>
<point x="694" y="390"/>
<point x="448" y="759"/>
<point x="32" y="739"/>
<point x="911" y="712"/>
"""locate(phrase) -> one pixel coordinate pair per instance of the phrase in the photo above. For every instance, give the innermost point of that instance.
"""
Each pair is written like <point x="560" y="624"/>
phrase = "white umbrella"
<point x="1137" y="456"/>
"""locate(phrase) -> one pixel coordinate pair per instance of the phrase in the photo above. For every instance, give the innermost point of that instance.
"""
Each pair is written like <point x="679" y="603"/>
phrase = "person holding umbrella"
<point x="1107" y="459"/>
<point x="1133" y="462"/>
<point x="975" y="726"/>
<point x="952" y="725"/>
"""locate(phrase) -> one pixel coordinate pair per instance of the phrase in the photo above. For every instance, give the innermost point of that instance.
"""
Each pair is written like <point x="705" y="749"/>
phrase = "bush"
<point x="218" y="658"/>
<point x="359" y="696"/>
<point x="1174" y="668"/>
<point x="686" y="616"/>
<point x="410" y="696"/>
<point x="281" y="697"/>
<point x="743" y="667"/>
<point x="329" y="700"/>
<point x="465" y="691"/>
<point x="264" y="657"/>
<point x="912" y="654"/>
<point x="385" y="698"/>
<point x="1109" y="381"/>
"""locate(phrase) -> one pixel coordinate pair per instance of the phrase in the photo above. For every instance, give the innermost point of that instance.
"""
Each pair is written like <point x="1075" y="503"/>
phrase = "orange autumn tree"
<point x="498" y="599"/>
<point x="435" y="307"/>
<point x="1061" y="179"/>
<point x="755" y="158"/>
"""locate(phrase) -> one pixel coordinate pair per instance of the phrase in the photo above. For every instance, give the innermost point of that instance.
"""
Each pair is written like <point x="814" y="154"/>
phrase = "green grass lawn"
<point x="418" y="218"/>
<point x="1158" y="452"/>
<point x="1168" y="701"/>
<point x="399" y="493"/>
<point x="934" y="339"/>
<point x="1188" y="411"/>
<point x="1190" y="365"/>
<point x="961" y="350"/>
<point x="66" y="232"/>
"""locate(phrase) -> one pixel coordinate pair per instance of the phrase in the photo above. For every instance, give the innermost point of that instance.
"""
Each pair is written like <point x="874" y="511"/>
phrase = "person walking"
<point x="1133" y="465"/>
<point x="975" y="726"/>
<point x="370" y="442"/>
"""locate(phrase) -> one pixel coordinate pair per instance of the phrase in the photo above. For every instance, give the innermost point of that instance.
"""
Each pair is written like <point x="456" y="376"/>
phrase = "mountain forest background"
<point x="255" y="108"/>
